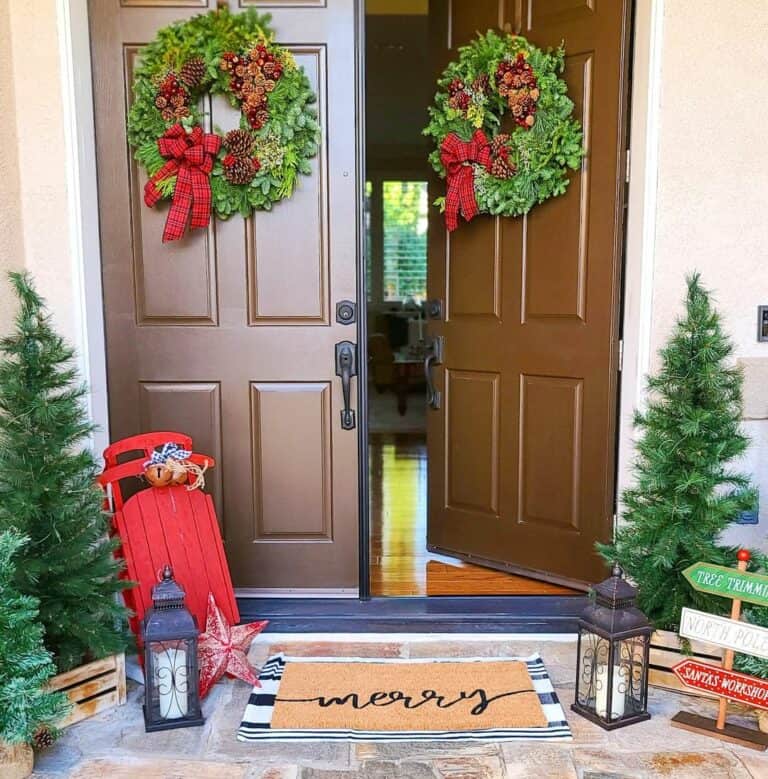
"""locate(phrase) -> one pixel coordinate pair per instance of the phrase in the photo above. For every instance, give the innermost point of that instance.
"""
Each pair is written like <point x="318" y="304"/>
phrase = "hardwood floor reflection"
<point x="400" y="562"/>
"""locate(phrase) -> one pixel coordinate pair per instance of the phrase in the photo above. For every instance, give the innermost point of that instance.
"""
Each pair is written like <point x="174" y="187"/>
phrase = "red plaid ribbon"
<point x="457" y="157"/>
<point x="190" y="157"/>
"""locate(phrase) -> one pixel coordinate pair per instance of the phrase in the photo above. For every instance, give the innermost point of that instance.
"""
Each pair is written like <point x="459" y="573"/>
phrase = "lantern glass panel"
<point x="632" y="656"/>
<point x="170" y="668"/>
<point x="612" y="674"/>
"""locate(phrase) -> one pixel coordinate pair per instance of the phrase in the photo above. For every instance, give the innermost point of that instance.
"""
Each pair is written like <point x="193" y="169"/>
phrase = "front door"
<point x="229" y="335"/>
<point x="521" y="453"/>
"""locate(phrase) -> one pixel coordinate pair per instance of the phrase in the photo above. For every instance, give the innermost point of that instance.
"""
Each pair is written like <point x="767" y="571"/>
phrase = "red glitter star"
<point x="221" y="649"/>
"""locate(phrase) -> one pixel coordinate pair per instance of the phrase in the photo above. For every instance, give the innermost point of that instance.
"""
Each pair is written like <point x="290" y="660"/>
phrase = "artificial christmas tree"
<point x="684" y="494"/>
<point x="26" y="708"/>
<point x="48" y="490"/>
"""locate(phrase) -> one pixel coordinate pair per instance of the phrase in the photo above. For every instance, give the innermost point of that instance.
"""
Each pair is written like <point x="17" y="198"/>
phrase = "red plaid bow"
<point x="457" y="157"/>
<point x="190" y="157"/>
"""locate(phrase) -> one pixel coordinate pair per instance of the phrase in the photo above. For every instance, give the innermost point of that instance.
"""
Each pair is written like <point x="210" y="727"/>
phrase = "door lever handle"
<point x="346" y="368"/>
<point x="434" y="357"/>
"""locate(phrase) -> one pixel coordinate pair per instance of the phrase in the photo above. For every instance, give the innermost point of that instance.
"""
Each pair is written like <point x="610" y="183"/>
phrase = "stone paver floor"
<point x="114" y="744"/>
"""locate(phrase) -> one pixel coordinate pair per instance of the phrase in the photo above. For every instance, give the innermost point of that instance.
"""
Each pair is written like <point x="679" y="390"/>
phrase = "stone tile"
<point x="274" y="772"/>
<point x="427" y="750"/>
<point x="524" y="760"/>
<point x="182" y="742"/>
<point x="407" y="770"/>
<point x="755" y="762"/>
<point x="57" y="760"/>
<point x="554" y="652"/>
<point x="469" y="767"/>
<point x="126" y="768"/>
<point x="337" y="649"/>
<point x="375" y="770"/>
<point x="715" y="764"/>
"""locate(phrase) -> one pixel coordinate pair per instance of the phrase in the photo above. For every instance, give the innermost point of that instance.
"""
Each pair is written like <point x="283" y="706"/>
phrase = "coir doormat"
<point x="433" y="699"/>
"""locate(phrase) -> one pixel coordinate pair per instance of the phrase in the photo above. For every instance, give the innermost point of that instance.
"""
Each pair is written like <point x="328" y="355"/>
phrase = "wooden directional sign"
<point x="728" y="582"/>
<point x="735" y="636"/>
<point x="729" y="684"/>
<point x="728" y="633"/>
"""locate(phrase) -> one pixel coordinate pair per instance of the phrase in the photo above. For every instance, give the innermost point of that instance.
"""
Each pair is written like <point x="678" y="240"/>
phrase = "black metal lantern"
<point x="171" y="685"/>
<point x="612" y="656"/>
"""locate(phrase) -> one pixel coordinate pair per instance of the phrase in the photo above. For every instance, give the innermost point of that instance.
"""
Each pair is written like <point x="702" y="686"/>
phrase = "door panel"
<point x="522" y="452"/>
<point x="228" y="334"/>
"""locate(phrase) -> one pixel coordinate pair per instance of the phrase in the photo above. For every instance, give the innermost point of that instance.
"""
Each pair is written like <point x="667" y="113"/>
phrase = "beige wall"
<point x="11" y="236"/>
<point x="33" y="197"/>
<point x="712" y="197"/>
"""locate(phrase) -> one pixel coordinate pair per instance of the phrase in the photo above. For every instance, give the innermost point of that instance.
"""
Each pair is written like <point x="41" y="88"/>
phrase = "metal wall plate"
<point x="762" y="323"/>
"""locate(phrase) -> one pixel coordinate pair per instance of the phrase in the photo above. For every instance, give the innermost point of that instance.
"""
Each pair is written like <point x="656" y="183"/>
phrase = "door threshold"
<point x="296" y="592"/>
<point x="434" y="614"/>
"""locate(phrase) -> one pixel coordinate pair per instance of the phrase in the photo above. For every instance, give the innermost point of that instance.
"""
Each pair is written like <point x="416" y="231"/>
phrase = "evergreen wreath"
<point x="247" y="169"/>
<point x="504" y="128"/>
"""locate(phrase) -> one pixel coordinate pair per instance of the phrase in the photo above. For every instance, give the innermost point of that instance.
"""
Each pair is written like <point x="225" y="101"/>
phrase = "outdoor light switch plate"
<point x="749" y="517"/>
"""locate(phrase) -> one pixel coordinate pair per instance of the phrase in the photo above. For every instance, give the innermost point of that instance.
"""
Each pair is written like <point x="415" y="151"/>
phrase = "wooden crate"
<point x="92" y="688"/>
<point x="666" y="652"/>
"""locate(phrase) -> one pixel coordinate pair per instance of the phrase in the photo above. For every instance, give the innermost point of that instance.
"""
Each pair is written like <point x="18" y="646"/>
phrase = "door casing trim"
<point x="637" y="286"/>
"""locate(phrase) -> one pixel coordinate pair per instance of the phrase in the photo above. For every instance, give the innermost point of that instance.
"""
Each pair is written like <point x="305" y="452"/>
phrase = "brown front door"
<point x="521" y="453"/>
<point x="229" y="335"/>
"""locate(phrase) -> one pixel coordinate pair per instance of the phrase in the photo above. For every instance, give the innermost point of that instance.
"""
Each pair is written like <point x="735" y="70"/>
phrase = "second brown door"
<point x="521" y="452"/>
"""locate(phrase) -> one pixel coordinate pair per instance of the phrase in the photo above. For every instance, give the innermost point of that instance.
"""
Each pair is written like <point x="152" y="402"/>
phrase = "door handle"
<point x="346" y="368"/>
<point x="434" y="357"/>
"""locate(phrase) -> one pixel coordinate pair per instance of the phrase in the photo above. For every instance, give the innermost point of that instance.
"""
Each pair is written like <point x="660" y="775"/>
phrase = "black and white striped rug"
<point x="257" y="719"/>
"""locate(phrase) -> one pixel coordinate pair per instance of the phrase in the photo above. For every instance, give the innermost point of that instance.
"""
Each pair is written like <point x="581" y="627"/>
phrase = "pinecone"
<point x="502" y="169"/>
<point x="193" y="72"/>
<point x="43" y="739"/>
<point x="239" y="143"/>
<point x="499" y="143"/>
<point x="241" y="171"/>
<point x="480" y="84"/>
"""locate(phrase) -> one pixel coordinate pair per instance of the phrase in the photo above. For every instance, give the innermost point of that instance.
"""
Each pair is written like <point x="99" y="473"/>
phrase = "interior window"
<point x="396" y="212"/>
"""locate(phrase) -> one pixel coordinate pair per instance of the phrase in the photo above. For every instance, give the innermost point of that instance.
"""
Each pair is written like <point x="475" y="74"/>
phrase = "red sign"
<point x="728" y="684"/>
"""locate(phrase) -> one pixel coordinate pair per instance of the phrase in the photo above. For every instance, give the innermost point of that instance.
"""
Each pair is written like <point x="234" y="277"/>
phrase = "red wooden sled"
<point x="167" y="525"/>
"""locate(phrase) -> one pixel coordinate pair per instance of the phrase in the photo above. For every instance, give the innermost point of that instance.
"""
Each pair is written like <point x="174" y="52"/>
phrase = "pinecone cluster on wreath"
<point x="252" y="77"/>
<point x="517" y="83"/>
<point x="173" y="89"/>
<point x="501" y="166"/>
<point x="240" y="166"/>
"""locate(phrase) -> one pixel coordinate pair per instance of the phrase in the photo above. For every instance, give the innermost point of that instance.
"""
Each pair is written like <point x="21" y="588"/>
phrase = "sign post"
<point x="733" y="635"/>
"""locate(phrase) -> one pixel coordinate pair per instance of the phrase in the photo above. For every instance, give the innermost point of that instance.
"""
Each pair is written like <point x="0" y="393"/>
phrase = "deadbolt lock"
<point x="346" y="312"/>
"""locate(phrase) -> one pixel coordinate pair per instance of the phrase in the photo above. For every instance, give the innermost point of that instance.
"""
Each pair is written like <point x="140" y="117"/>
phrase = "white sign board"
<point x="729" y="633"/>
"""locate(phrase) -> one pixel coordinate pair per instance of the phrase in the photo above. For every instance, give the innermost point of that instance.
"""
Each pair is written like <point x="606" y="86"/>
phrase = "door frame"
<point x="636" y="290"/>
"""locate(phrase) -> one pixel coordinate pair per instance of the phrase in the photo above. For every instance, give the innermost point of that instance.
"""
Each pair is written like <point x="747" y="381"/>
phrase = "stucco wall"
<point x="11" y="234"/>
<point x="712" y="198"/>
<point x="40" y="197"/>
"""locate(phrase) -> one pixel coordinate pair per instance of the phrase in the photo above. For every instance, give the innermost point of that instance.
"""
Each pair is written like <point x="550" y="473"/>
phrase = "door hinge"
<point x="621" y="355"/>
<point x="628" y="169"/>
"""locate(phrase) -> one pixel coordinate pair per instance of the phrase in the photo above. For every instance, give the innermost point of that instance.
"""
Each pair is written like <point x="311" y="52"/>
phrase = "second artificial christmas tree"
<point x="685" y="493"/>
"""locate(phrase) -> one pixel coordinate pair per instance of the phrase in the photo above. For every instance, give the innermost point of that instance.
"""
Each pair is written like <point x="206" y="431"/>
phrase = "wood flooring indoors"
<point x="400" y="562"/>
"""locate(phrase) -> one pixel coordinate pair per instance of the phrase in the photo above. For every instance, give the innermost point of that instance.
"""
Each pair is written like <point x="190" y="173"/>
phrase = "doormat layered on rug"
<point x="431" y="699"/>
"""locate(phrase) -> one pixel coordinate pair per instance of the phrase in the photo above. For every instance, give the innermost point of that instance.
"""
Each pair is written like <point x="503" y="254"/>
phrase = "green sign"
<point x="728" y="582"/>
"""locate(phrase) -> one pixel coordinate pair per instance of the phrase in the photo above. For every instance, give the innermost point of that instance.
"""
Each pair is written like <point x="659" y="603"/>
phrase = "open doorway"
<point x="504" y="482"/>
<point x="399" y="87"/>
